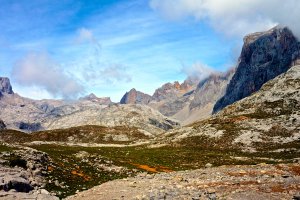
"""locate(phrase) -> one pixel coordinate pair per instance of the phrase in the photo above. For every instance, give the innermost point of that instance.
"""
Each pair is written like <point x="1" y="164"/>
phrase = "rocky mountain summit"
<point x="5" y="86"/>
<point x="264" y="56"/>
<point x="174" y="90"/>
<point x="135" y="97"/>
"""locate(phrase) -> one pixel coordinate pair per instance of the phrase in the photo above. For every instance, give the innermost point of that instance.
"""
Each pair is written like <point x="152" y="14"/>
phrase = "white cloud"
<point x="198" y="71"/>
<point x="38" y="69"/>
<point x="111" y="73"/>
<point x="234" y="17"/>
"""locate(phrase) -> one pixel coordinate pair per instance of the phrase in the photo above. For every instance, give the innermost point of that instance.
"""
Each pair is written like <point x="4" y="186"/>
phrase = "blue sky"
<point x="68" y="48"/>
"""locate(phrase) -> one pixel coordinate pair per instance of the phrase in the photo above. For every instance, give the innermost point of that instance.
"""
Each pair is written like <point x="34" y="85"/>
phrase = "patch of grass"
<point x="68" y="173"/>
<point x="5" y="148"/>
<point x="82" y="173"/>
<point x="82" y="134"/>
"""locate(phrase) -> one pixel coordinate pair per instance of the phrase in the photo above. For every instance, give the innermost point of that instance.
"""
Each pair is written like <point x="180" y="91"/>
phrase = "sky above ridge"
<point x="70" y="48"/>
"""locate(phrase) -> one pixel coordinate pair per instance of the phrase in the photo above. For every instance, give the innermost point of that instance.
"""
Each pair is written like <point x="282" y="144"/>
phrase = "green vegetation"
<point x="81" y="134"/>
<point x="5" y="148"/>
<point x="79" y="173"/>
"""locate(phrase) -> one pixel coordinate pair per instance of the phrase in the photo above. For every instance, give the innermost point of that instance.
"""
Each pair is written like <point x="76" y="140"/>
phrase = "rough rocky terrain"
<point x="264" y="56"/>
<point x="23" y="174"/>
<point x="140" y="116"/>
<point x="262" y="181"/>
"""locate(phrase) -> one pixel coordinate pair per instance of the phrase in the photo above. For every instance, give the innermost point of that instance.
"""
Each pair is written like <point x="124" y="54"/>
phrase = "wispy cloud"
<point x="40" y="70"/>
<point x="108" y="73"/>
<point x="198" y="71"/>
<point x="232" y="18"/>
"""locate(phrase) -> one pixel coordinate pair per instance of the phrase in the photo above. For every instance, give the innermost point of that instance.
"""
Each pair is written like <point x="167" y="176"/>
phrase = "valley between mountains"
<point x="231" y="135"/>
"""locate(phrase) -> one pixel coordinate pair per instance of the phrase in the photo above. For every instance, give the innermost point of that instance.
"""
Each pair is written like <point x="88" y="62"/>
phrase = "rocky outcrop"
<point x="2" y="125"/>
<point x="264" y="56"/>
<point x="23" y="174"/>
<point x="5" y="86"/>
<point x="135" y="97"/>
<point x="93" y="98"/>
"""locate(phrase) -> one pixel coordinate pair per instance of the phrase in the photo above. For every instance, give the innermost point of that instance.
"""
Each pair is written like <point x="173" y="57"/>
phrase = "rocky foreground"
<point x="226" y="182"/>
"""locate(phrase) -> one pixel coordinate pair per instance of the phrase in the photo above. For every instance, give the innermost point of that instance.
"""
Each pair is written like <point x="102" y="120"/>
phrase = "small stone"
<point x="43" y="191"/>
<point x="208" y="165"/>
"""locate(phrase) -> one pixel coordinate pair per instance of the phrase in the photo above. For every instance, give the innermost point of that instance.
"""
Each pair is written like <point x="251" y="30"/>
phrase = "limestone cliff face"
<point x="211" y="89"/>
<point x="264" y="56"/>
<point x="5" y="86"/>
<point x="135" y="97"/>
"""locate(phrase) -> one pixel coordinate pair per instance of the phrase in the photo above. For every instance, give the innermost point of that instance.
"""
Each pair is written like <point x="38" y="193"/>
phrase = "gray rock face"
<point x="24" y="175"/>
<point x="264" y="56"/>
<point x="197" y="103"/>
<point x="135" y="97"/>
<point x="2" y="125"/>
<point x="211" y="89"/>
<point x="5" y="86"/>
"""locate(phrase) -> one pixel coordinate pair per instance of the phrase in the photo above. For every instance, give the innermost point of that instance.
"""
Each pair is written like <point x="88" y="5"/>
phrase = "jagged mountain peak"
<point x="135" y="97"/>
<point x="264" y="56"/>
<point x="5" y="86"/>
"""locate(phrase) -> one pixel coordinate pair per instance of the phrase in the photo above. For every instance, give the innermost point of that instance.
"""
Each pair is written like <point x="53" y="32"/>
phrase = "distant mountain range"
<point x="264" y="56"/>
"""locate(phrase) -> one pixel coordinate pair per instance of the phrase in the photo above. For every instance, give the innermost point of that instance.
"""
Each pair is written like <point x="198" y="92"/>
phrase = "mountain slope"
<point x="264" y="56"/>
<point x="29" y="115"/>
<point x="268" y="120"/>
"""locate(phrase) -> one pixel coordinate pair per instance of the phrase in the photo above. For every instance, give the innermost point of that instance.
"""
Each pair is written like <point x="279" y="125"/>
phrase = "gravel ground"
<point x="226" y="182"/>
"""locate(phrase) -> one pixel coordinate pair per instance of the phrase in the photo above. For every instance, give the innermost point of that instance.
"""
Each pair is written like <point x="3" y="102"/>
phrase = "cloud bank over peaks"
<point x="234" y="18"/>
<point x="198" y="71"/>
<point x="40" y="70"/>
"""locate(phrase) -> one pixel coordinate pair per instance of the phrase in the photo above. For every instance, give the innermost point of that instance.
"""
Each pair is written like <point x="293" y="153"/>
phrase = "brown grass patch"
<point x="295" y="169"/>
<point x="81" y="174"/>
<point x="50" y="168"/>
<point x="152" y="169"/>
